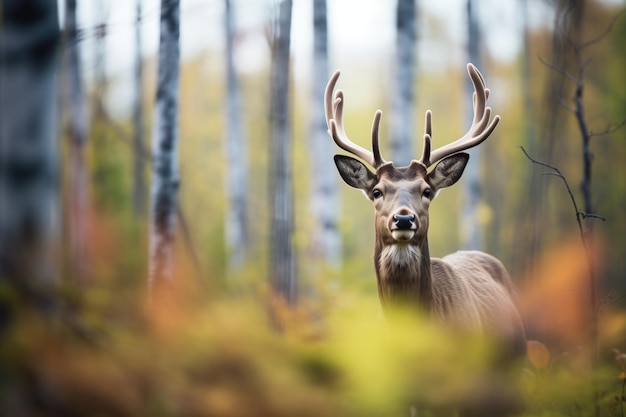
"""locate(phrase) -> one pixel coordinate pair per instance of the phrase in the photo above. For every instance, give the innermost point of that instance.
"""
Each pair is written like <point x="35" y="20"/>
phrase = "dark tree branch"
<point x="603" y="35"/>
<point x="566" y="106"/>
<point x="610" y="128"/>
<point x="557" y="173"/>
<point x="558" y="69"/>
<point x="590" y="216"/>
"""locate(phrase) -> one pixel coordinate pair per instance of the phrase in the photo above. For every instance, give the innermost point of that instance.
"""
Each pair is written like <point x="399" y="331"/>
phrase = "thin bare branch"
<point x="610" y="128"/>
<point x="591" y="216"/>
<point x="553" y="174"/>
<point x="560" y="70"/>
<point x="566" y="106"/>
<point x="604" y="34"/>
<point x="558" y="173"/>
<point x="580" y="214"/>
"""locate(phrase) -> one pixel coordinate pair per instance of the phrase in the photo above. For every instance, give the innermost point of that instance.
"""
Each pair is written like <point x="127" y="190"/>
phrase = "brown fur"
<point x="468" y="290"/>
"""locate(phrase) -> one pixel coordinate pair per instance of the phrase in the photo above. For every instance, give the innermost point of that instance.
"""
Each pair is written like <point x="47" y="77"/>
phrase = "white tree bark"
<point x="101" y="10"/>
<point x="165" y="152"/>
<point x="402" y="99"/>
<point x="139" y="151"/>
<point x="237" y="231"/>
<point x="470" y="225"/>
<point x="282" y="257"/>
<point x="75" y="109"/>
<point x="29" y="214"/>
<point x="326" y="240"/>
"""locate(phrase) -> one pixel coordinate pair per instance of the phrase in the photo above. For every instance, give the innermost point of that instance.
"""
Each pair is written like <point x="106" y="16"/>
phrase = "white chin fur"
<point x="403" y="235"/>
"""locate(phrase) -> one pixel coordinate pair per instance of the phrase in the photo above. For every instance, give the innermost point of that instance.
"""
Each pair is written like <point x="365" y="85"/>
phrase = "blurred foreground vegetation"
<point x="105" y="353"/>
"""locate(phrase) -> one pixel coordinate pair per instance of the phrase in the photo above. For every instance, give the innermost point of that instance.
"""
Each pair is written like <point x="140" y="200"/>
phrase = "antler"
<point x="477" y="133"/>
<point x="333" y="108"/>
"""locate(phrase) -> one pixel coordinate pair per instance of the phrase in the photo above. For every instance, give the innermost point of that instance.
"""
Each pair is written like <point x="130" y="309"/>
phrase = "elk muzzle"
<point x="403" y="227"/>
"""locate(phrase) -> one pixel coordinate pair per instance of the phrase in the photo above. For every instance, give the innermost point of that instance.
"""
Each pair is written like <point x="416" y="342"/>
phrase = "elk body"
<point x="468" y="290"/>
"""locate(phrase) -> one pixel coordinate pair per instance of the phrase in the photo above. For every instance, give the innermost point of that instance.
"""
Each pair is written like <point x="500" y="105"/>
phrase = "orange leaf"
<point x="538" y="354"/>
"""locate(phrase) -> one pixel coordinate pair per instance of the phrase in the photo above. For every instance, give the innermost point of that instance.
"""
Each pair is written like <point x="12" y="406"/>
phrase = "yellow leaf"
<point x="538" y="354"/>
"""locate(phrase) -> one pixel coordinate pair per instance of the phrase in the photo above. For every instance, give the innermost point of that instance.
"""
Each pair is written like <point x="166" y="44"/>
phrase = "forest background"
<point x="521" y="216"/>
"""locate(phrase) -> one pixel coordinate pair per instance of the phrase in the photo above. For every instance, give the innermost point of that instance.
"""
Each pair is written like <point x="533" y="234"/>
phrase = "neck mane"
<point x="404" y="276"/>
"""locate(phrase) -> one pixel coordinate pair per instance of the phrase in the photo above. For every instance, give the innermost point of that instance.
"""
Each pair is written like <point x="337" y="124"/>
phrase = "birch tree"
<point x="165" y="152"/>
<point x="470" y="224"/>
<point x="76" y="128"/>
<point x="139" y="166"/>
<point x="29" y="40"/>
<point x="101" y="10"/>
<point x="237" y="233"/>
<point x="402" y="126"/>
<point x="326" y="239"/>
<point x="282" y="258"/>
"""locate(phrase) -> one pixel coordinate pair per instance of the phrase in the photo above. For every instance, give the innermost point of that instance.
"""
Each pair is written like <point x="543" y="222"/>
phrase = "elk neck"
<point x="403" y="273"/>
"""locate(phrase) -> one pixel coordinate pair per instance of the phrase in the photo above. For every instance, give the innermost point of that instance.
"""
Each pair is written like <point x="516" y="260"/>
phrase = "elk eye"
<point x="427" y="193"/>
<point x="377" y="193"/>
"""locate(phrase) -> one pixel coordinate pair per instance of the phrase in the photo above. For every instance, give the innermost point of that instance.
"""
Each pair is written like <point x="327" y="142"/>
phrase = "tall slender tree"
<point x="165" y="152"/>
<point x="77" y="213"/>
<point x="402" y="126"/>
<point x="568" y="21"/>
<point x="282" y="257"/>
<point x="237" y="230"/>
<point x="470" y="224"/>
<point x="99" y="55"/>
<point x="139" y="154"/>
<point x="528" y="208"/>
<point x="325" y="240"/>
<point x="29" y="40"/>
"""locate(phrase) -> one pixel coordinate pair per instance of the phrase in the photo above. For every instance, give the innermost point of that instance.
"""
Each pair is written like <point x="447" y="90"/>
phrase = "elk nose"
<point x="404" y="222"/>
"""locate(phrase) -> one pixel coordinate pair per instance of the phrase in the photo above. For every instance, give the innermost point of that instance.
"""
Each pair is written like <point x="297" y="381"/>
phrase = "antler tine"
<point x="428" y="134"/>
<point x="328" y="97"/>
<point x="378" y="159"/>
<point x="333" y="107"/>
<point x="481" y="126"/>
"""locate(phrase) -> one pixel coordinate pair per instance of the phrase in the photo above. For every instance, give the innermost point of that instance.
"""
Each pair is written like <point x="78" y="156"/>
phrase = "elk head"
<point x="402" y="195"/>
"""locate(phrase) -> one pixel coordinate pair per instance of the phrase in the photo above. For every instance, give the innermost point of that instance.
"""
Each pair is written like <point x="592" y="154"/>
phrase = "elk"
<point x="467" y="290"/>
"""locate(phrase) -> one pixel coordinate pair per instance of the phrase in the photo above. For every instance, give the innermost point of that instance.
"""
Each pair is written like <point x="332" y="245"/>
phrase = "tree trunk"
<point x="528" y="208"/>
<point x="326" y="240"/>
<point x="237" y="231"/>
<point x="470" y="223"/>
<point x="77" y="213"/>
<point x="282" y="258"/>
<point x="29" y="39"/>
<point x="99" y="55"/>
<point x="139" y="151"/>
<point x="402" y="126"/>
<point x="165" y="153"/>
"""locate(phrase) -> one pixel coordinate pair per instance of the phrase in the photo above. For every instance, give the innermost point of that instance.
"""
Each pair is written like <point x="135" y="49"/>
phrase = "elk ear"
<point x="448" y="171"/>
<point x="355" y="173"/>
